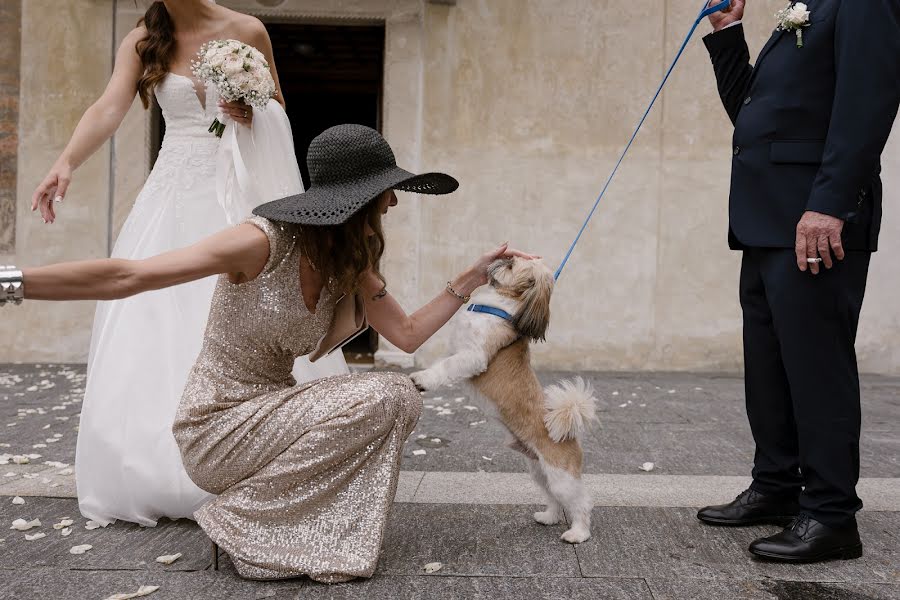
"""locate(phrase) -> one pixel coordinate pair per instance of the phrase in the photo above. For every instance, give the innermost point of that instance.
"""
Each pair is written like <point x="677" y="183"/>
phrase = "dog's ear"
<point x="533" y="316"/>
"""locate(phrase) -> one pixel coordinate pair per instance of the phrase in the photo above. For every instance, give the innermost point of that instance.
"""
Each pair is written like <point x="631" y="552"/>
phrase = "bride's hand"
<point x="240" y="112"/>
<point x="52" y="189"/>
<point x="504" y="251"/>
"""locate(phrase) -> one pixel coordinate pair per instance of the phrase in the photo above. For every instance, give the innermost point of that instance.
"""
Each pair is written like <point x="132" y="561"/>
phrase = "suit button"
<point x="747" y="100"/>
<point x="737" y="150"/>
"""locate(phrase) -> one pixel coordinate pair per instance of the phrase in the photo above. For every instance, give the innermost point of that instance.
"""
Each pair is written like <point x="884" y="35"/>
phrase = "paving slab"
<point x="48" y="582"/>
<point x="118" y="546"/>
<point x="482" y="588"/>
<point x="474" y="540"/>
<point x="670" y="543"/>
<point x="702" y="589"/>
<point x="689" y="424"/>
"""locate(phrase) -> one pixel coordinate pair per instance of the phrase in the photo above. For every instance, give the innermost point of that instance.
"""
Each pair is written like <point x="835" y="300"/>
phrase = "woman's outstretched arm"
<point x="408" y="332"/>
<point x="241" y="252"/>
<point x="99" y="122"/>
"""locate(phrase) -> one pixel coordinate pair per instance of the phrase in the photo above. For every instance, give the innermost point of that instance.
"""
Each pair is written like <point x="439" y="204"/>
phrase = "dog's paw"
<point x="425" y="381"/>
<point x="576" y="535"/>
<point x="547" y="517"/>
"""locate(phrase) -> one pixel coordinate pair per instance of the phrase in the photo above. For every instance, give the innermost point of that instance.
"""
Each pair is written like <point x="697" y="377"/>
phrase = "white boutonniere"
<point x="794" y="18"/>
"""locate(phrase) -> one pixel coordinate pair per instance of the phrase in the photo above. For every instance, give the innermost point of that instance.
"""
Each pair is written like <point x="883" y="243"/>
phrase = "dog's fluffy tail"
<point x="570" y="407"/>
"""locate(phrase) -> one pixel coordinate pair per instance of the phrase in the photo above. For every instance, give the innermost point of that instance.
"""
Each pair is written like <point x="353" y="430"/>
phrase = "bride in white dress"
<point x="127" y="463"/>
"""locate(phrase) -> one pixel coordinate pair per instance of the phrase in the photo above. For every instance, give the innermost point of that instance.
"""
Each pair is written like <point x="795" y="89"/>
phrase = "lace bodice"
<point x="186" y="113"/>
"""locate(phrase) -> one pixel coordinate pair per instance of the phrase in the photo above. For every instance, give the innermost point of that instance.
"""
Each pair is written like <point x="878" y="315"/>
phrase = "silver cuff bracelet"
<point x="12" y="286"/>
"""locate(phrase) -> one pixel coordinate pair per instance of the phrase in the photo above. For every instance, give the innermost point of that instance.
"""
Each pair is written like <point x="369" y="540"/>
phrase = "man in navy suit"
<point x="811" y="120"/>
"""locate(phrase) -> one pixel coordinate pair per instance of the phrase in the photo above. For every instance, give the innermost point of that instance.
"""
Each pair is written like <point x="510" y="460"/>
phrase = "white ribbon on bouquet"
<point x="256" y="164"/>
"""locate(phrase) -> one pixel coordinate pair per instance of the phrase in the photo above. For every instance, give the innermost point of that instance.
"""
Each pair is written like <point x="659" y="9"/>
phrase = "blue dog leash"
<point x="705" y="12"/>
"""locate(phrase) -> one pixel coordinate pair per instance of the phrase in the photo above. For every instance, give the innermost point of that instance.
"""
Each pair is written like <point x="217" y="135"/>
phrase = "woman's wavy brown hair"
<point x="155" y="50"/>
<point x="342" y="253"/>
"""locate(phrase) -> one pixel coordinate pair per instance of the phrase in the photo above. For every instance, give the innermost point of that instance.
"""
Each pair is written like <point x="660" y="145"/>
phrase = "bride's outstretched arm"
<point x="408" y="332"/>
<point x="241" y="252"/>
<point x="96" y="126"/>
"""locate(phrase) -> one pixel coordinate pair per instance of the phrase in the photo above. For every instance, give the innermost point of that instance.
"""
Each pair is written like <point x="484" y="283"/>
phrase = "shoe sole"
<point x="780" y="521"/>
<point x="848" y="553"/>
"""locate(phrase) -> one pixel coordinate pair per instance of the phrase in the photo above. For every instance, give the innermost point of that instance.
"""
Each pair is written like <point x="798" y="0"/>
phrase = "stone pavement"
<point x="467" y="503"/>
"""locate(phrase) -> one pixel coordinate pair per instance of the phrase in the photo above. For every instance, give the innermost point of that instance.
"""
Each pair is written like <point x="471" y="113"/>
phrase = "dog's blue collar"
<point x="490" y="310"/>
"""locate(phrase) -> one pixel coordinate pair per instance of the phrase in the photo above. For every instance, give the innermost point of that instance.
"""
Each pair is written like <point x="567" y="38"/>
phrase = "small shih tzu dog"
<point x="491" y="350"/>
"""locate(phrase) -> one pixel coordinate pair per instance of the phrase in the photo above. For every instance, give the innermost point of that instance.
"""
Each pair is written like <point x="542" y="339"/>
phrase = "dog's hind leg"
<point x="553" y="513"/>
<point x="569" y="491"/>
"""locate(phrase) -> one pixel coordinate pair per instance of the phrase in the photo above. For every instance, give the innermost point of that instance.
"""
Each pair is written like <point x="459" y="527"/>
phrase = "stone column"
<point x="10" y="30"/>
<point x="67" y="49"/>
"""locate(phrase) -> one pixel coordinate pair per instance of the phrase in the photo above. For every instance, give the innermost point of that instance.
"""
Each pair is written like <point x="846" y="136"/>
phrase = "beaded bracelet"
<point x="456" y="294"/>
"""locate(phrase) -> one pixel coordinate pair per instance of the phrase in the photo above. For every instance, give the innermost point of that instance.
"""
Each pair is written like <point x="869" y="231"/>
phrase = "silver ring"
<point x="813" y="261"/>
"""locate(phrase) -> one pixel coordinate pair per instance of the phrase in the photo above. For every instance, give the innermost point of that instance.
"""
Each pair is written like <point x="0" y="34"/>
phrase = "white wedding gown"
<point x="128" y="466"/>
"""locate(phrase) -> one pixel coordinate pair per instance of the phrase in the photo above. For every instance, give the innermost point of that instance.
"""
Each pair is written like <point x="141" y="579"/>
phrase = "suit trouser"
<point x="802" y="383"/>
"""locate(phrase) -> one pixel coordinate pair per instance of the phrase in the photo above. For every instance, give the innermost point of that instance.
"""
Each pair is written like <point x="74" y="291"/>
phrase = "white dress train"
<point x="128" y="466"/>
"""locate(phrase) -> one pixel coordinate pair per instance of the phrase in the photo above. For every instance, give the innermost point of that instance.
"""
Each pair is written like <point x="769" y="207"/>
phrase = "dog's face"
<point x="530" y="282"/>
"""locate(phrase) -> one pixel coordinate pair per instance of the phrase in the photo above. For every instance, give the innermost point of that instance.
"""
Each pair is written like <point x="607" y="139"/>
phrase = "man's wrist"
<point x="718" y="28"/>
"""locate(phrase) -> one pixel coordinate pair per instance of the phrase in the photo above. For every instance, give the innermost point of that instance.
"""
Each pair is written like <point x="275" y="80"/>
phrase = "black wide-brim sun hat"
<point x="349" y="166"/>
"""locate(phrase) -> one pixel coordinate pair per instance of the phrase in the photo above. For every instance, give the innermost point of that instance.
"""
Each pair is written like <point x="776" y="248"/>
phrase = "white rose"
<point x="216" y="61"/>
<point x="242" y="81"/>
<point x="233" y="65"/>
<point x="799" y="15"/>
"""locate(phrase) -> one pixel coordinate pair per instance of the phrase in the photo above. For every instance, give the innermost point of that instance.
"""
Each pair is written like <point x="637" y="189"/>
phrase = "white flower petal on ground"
<point x="468" y="407"/>
<point x="67" y="471"/>
<point x="63" y="524"/>
<point x="18" y="500"/>
<point x="436" y="440"/>
<point x="168" y="559"/>
<point x="623" y="405"/>
<point x="33" y="456"/>
<point x="35" y="536"/>
<point x="419" y="452"/>
<point x="36" y="446"/>
<point x="421" y="436"/>
<point x="433" y="567"/>
<point x="23" y="525"/>
<point x="21" y="460"/>
<point x="487" y="458"/>
<point x="474" y="423"/>
<point x="144" y="590"/>
<point x="647" y="466"/>
<point x="80" y="549"/>
<point x="92" y="525"/>
<point x="65" y="532"/>
<point x="10" y="474"/>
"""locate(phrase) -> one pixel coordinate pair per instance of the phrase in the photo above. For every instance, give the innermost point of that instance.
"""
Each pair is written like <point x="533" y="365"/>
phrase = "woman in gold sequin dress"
<point x="304" y="475"/>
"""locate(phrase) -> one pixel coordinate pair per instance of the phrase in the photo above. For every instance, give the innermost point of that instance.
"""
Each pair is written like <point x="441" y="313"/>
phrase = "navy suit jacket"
<point x="810" y="123"/>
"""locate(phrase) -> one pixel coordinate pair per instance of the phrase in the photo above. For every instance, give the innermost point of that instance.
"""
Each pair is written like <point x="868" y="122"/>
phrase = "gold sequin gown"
<point x="304" y="476"/>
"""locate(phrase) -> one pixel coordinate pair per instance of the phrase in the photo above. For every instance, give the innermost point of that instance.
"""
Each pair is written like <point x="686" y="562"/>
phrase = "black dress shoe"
<point x="806" y="540"/>
<point x="751" y="508"/>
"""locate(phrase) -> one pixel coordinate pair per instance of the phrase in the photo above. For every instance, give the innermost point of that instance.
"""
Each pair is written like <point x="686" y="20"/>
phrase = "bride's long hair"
<point x="155" y="50"/>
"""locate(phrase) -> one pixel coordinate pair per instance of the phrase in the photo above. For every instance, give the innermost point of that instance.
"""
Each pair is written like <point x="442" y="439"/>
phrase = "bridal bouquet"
<point x="239" y="72"/>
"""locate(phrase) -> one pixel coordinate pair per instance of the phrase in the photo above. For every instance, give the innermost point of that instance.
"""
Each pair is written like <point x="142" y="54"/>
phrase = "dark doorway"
<point x="330" y="74"/>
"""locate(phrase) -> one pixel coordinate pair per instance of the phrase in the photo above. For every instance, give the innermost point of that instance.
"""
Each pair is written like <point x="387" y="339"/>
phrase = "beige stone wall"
<point x="528" y="103"/>
<point x="10" y="23"/>
<point x="66" y="60"/>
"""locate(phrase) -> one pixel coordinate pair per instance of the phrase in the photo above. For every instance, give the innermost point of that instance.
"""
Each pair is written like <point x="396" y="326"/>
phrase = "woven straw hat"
<point x="349" y="166"/>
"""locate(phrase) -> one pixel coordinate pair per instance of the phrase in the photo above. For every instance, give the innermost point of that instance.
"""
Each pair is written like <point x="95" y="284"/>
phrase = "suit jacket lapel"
<point x="766" y="49"/>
